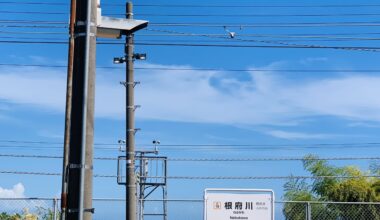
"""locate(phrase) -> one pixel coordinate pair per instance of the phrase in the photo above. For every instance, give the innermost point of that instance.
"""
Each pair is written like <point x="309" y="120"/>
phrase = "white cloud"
<point x="191" y="96"/>
<point x="33" y="86"/>
<point x="364" y="124"/>
<point x="16" y="192"/>
<point x="297" y="135"/>
<point x="311" y="60"/>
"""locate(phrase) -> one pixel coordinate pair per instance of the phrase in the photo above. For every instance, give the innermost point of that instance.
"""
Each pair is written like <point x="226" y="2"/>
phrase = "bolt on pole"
<point x="131" y="205"/>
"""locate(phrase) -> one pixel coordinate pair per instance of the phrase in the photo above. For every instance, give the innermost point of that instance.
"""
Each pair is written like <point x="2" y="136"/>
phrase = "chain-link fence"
<point x="329" y="210"/>
<point x="29" y="209"/>
<point x="48" y="209"/>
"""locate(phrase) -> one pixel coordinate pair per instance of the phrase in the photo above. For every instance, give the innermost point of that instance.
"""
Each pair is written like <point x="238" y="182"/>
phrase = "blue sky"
<point x="199" y="107"/>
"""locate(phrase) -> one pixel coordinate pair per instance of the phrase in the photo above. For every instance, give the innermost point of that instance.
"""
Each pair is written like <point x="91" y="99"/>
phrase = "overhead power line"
<point x="201" y="15"/>
<point x="212" y="148"/>
<point x="267" y="159"/>
<point x="32" y="3"/>
<point x="49" y="174"/>
<point x="34" y="12"/>
<point x="261" y="177"/>
<point x="209" y="24"/>
<point x="255" y="6"/>
<point x="253" y="15"/>
<point x="357" y="48"/>
<point x="202" y="145"/>
<point x="8" y="21"/>
<point x="285" y="40"/>
<point x="209" y="5"/>
<point x="285" y="35"/>
<point x="270" y="25"/>
<point x="201" y="177"/>
<point x="210" y="69"/>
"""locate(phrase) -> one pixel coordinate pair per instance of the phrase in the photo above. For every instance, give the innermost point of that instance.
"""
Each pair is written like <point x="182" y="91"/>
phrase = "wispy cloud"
<point x="364" y="124"/>
<point x="298" y="135"/>
<point x="193" y="96"/>
<point x="312" y="60"/>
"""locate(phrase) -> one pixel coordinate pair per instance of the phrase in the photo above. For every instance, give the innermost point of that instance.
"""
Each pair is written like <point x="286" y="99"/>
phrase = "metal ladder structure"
<point x="151" y="180"/>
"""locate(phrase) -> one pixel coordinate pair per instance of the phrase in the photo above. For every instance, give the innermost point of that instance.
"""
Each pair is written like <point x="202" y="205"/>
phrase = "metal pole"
<point x="130" y="124"/>
<point x="84" y="118"/>
<point x="55" y="206"/>
<point x="142" y="186"/>
<point x="308" y="211"/>
<point x="70" y="63"/>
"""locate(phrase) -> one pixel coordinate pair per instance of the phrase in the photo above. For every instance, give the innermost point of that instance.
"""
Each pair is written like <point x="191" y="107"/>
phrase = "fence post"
<point x="308" y="211"/>
<point x="55" y="204"/>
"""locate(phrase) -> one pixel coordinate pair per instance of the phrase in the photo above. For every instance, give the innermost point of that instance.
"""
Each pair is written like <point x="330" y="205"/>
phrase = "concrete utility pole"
<point x="131" y="192"/>
<point x="78" y="164"/>
<point x="79" y="168"/>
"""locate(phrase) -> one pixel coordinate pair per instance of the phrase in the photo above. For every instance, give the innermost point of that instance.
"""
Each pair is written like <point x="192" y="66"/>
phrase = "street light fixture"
<point x="119" y="60"/>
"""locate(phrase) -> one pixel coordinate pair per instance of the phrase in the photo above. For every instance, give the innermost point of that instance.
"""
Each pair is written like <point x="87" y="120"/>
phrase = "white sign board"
<point x="239" y="204"/>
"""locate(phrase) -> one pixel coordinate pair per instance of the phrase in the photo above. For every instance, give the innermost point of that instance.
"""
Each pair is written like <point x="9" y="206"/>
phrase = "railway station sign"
<point x="239" y="204"/>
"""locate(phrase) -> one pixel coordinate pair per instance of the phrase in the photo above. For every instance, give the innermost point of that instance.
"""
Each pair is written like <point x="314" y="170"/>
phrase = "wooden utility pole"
<point x="70" y="63"/>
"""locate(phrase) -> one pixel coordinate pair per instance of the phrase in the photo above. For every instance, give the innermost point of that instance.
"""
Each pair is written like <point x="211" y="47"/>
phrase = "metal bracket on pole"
<point x="80" y="166"/>
<point x="134" y="130"/>
<point x="132" y="83"/>
<point x="134" y="107"/>
<point x="92" y="210"/>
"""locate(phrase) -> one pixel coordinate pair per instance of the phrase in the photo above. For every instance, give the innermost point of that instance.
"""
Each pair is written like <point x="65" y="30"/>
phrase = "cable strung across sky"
<point x="208" y="5"/>
<point x="202" y="177"/>
<point x="267" y="159"/>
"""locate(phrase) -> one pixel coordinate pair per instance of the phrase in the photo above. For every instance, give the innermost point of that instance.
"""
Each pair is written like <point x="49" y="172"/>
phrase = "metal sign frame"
<point x="209" y="191"/>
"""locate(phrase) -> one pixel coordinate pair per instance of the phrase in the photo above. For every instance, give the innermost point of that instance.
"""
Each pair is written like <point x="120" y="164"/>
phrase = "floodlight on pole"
<point x="119" y="60"/>
<point x="139" y="56"/>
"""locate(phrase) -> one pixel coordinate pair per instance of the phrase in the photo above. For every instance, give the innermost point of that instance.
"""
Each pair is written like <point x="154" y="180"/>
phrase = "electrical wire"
<point x="32" y="3"/>
<point x="204" y="41"/>
<point x="202" y="15"/>
<point x="34" y="26"/>
<point x="198" y="148"/>
<point x="208" y="69"/>
<point x="255" y="6"/>
<point x="269" y="25"/>
<point x="287" y="38"/>
<point x="353" y="48"/>
<point x="251" y="15"/>
<point x="205" y="145"/>
<point x="33" y="32"/>
<point x="258" y="177"/>
<point x="31" y="22"/>
<point x="222" y="25"/>
<point x="200" y="177"/>
<point x="207" y="5"/>
<point x="301" y="35"/>
<point x="272" y="42"/>
<point x="270" y="159"/>
<point x="34" y="12"/>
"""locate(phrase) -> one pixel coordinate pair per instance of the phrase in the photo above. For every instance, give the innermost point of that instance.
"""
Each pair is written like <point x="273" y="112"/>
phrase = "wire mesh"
<point x="184" y="209"/>
<point x="28" y="209"/>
